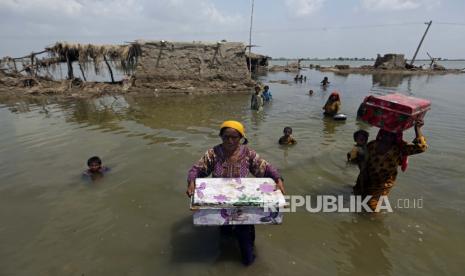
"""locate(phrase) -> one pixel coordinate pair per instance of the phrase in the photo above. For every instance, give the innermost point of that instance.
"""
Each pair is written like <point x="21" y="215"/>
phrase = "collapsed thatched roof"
<point x="256" y="56"/>
<point x="124" y="57"/>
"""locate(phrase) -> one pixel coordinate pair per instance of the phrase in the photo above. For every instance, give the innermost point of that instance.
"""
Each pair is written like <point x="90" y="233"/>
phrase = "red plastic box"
<point x="393" y="112"/>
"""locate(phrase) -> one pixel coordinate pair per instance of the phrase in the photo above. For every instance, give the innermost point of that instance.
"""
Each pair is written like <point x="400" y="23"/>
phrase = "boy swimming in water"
<point x="287" y="139"/>
<point x="95" y="170"/>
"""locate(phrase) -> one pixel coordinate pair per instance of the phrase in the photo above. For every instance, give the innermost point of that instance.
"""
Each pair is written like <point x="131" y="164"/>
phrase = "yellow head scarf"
<point x="234" y="125"/>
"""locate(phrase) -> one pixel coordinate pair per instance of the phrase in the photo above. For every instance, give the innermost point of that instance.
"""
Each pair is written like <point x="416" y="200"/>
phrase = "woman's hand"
<point x="190" y="189"/>
<point x="418" y="124"/>
<point x="280" y="185"/>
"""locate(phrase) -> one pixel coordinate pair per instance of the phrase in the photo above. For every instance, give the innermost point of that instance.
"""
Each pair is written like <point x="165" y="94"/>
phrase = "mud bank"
<point x="368" y="70"/>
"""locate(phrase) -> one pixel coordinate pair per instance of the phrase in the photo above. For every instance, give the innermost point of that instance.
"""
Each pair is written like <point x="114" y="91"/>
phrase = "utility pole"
<point x="421" y="41"/>
<point x="250" y="40"/>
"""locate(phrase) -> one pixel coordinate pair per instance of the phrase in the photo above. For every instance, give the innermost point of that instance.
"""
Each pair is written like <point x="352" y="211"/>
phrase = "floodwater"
<point x="449" y="64"/>
<point x="136" y="221"/>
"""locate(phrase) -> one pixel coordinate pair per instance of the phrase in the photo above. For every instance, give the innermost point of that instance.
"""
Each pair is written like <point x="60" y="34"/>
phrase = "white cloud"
<point x="69" y="7"/>
<point x="398" y="5"/>
<point x="186" y="11"/>
<point x="123" y="19"/>
<point x="215" y="16"/>
<point x="304" y="7"/>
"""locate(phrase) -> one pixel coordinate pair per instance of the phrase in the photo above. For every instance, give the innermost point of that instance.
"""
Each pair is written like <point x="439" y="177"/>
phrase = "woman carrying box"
<point x="385" y="154"/>
<point x="233" y="159"/>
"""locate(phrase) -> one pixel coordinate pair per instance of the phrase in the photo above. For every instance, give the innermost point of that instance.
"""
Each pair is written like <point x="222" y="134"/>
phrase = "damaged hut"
<point x="257" y="63"/>
<point x="141" y="66"/>
<point x="196" y="66"/>
<point x="390" y="62"/>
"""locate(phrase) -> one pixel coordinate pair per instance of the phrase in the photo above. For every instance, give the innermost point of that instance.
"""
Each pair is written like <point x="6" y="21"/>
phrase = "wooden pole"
<point x="32" y="64"/>
<point x="421" y="41"/>
<point x="38" y="53"/>
<point x="250" y="40"/>
<point x="109" y="69"/>
<point x="70" y="67"/>
<point x="82" y="72"/>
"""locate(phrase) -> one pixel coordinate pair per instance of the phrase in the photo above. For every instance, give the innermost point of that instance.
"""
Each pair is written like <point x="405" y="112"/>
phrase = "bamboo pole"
<point x="109" y="69"/>
<point x="82" y="72"/>
<point x="70" y="67"/>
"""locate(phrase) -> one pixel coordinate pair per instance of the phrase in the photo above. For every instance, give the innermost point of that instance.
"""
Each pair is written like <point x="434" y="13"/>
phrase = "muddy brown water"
<point x="136" y="220"/>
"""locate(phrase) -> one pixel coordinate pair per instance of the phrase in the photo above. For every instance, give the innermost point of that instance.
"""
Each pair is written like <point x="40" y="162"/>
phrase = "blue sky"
<point x="289" y="28"/>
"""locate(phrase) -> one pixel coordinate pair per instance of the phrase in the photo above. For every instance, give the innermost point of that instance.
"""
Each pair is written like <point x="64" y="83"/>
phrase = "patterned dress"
<point x="381" y="169"/>
<point x="332" y="108"/>
<point x="248" y="162"/>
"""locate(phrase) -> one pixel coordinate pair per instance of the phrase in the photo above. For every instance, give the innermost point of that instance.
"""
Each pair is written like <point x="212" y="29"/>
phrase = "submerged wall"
<point x="191" y="67"/>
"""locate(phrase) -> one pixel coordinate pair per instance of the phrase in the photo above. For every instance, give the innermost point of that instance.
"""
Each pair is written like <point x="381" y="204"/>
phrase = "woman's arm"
<point x="419" y="143"/>
<point x="259" y="167"/>
<point x="202" y="168"/>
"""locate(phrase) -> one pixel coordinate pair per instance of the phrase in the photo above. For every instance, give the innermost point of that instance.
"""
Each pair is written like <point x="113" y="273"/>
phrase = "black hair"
<point x="246" y="141"/>
<point x="266" y="86"/>
<point x="287" y="128"/>
<point x="361" y="132"/>
<point x="94" y="159"/>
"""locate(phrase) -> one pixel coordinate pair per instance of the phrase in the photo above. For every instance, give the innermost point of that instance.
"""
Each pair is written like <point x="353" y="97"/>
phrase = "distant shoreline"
<point x="353" y="59"/>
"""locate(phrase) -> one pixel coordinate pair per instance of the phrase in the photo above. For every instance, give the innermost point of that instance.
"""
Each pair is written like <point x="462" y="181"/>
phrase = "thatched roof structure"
<point x="124" y="57"/>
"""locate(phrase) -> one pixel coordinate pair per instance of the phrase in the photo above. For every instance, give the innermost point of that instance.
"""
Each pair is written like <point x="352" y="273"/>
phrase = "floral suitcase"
<point x="393" y="112"/>
<point x="232" y="201"/>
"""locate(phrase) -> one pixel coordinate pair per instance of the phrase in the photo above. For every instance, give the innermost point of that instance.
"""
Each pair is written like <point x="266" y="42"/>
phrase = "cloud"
<point x="398" y="5"/>
<point x="301" y="8"/>
<point x="92" y="13"/>
<point x="214" y="15"/>
<point x="25" y="7"/>
<point x="111" y="21"/>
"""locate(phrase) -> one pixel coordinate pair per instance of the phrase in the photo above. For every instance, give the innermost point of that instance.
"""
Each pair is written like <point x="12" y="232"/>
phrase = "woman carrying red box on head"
<point x="385" y="154"/>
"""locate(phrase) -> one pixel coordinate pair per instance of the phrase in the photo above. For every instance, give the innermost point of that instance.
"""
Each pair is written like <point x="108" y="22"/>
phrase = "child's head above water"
<point x="361" y="137"/>
<point x="266" y="88"/>
<point x="287" y="131"/>
<point x="94" y="163"/>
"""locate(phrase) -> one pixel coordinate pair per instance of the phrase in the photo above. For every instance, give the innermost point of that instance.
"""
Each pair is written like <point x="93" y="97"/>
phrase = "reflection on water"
<point x="388" y="80"/>
<point x="135" y="221"/>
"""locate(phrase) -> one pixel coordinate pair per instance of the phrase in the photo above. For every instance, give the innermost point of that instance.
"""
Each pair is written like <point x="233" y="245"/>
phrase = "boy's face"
<point x="360" y="139"/>
<point x="287" y="132"/>
<point x="95" y="167"/>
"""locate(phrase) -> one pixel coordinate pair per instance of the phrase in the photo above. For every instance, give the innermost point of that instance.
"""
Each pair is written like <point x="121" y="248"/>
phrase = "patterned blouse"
<point x="215" y="163"/>
<point x="382" y="168"/>
<point x="332" y="108"/>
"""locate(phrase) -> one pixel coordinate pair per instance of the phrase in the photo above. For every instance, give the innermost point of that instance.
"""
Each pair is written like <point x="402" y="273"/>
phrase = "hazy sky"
<point x="289" y="28"/>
